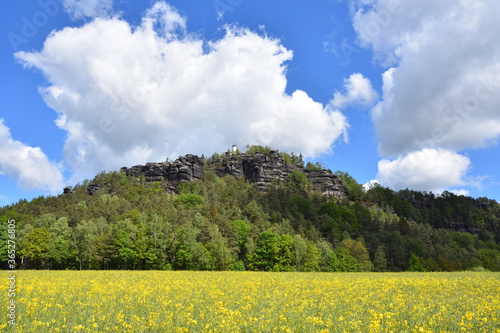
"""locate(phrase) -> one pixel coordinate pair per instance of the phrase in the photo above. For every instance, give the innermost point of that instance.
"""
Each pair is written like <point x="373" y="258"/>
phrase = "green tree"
<point x="329" y="261"/>
<point x="243" y="232"/>
<point x="285" y="255"/>
<point x="266" y="252"/>
<point x="84" y="237"/>
<point x="299" y="181"/>
<point x="190" y="254"/>
<point x="126" y="236"/>
<point x="355" y="189"/>
<point x="36" y="246"/>
<point x="300" y="249"/>
<point x="358" y="251"/>
<point x="347" y="263"/>
<point x="312" y="258"/>
<point x="218" y="247"/>
<point x="62" y="248"/>
<point x="190" y="200"/>
<point x="416" y="264"/>
<point x="379" y="260"/>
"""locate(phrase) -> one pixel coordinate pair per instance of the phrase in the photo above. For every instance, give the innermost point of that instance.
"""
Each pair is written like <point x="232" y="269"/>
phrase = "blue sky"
<point x="399" y="91"/>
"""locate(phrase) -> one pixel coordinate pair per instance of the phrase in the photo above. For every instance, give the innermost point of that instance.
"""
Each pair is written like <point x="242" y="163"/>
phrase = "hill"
<point x="258" y="210"/>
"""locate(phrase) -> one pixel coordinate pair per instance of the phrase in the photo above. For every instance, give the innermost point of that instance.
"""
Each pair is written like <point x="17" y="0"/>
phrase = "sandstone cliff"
<point x="256" y="168"/>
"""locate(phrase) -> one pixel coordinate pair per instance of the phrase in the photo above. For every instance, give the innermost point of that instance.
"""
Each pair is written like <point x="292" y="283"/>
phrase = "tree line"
<point x="227" y="224"/>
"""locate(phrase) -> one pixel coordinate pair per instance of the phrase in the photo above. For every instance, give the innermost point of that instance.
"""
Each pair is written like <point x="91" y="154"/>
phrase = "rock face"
<point x="94" y="188"/>
<point x="185" y="169"/>
<point x="257" y="168"/>
<point x="68" y="190"/>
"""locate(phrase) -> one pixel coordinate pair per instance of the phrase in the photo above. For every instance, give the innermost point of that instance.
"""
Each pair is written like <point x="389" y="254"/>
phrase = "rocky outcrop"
<point x="94" y="188"/>
<point x="257" y="168"/>
<point x="68" y="190"/>
<point x="329" y="183"/>
<point x="185" y="169"/>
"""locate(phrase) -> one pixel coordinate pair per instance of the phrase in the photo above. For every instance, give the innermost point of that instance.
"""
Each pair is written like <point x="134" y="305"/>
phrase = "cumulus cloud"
<point x="80" y="9"/>
<point x="29" y="166"/>
<point x="443" y="87"/>
<point x="128" y="95"/>
<point x="359" y="90"/>
<point x="428" y="169"/>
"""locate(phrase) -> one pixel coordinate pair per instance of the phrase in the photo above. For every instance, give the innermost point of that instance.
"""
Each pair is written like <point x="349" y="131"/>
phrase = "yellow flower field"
<point x="148" y="301"/>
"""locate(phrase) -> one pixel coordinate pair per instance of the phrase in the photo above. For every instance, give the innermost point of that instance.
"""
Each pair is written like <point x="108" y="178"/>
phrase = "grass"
<point x="177" y="301"/>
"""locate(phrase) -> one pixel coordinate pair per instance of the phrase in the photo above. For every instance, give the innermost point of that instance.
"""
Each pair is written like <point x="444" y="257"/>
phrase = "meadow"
<point x="183" y="301"/>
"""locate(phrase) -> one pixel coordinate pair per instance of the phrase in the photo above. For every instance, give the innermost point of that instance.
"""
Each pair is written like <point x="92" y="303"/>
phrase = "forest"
<point x="227" y="224"/>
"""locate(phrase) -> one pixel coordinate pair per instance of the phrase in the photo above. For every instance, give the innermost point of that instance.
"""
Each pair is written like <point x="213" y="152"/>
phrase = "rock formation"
<point x="94" y="188"/>
<point x="257" y="168"/>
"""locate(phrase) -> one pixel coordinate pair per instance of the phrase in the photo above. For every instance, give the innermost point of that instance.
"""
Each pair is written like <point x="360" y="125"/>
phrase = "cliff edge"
<point x="257" y="168"/>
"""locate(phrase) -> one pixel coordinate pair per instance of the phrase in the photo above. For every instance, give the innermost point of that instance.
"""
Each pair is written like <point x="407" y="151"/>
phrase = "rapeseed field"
<point x="178" y="301"/>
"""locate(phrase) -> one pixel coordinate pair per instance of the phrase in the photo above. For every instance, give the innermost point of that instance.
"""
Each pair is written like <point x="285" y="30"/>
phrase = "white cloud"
<point x="443" y="89"/>
<point x="372" y="183"/>
<point x="128" y="95"/>
<point x="29" y="166"/>
<point x="460" y="192"/>
<point x="79" y="9"/>
<point x="426" y="170"/>
<point x="359" y="90"/>
<point x="168" y="19"/>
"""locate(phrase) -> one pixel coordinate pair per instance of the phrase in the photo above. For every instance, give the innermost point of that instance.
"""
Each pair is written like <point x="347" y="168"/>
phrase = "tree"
<point x="355" y="189"/>
<point x="357" y="250"/>
<point x="84" y="237"/>
<point x="126" y="237"/>
<point x="61" y="249"/>
<point x="243" y="231"/>
<point x="299" y="249"/>
<point x="379" y="260"/>
<point x="190" y="254"/>
<point x="36" y="246"/>
<point x="416" y="264"/>
<point x="347" y="263"/>
<point x="217" y="246"/>
<point x="312" y="258"/>
<point x="190" y="200"/>
<point x="266" y="252"/>
<point x="329" y="261"/>
<point x="286" y="227"/>
<point x="285" y="255"/>
<point x="299" y="181"/>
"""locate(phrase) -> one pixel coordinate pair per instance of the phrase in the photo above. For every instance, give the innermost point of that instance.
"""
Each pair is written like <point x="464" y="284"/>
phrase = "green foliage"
<point x="258" y="149"/>
<point x="355" y="189"/>
<point x="312" y="258"/>
<point x="226" y="224"/>
<point x="358" y="251"/>
<point x="416" y="264"/>
<point x="36" y="246"/>
<point x="243" y="231"/>
<point x="190" y="200"/>
<point x="346" y="262"/>
<point x="299" y="181"/>
<point x="314" y="166"/>
<point x="267" y="248"/>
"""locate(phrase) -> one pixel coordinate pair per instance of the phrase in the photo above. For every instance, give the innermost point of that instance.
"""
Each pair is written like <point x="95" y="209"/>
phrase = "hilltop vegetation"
<point x="227" y="224"/>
